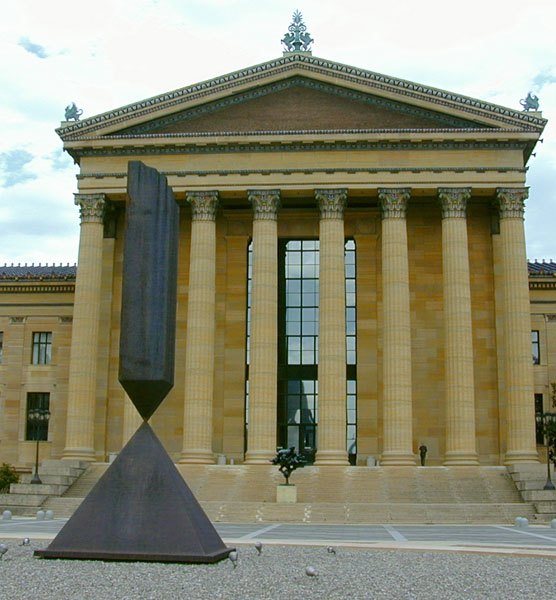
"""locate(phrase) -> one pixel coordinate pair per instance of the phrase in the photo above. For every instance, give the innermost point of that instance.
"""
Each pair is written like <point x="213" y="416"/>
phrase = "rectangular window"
<point x="1" y="344"/>
<point x="538" y="420"/>
<point x="42" y="348"/>
<point x="37" y="429"/>
<point x="535" y="346"/>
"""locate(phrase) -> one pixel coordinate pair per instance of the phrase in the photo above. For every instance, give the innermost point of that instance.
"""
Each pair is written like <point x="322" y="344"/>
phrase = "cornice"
<point x="306" y="65"/>
<point x="37" y="288"/>
<point x="296" y="146"/>
<point x="542" y="285"/>
<point x="308" y="171"/>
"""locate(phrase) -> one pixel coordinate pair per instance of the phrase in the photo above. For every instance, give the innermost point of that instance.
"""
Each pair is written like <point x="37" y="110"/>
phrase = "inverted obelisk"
<point x="142" y="509"/>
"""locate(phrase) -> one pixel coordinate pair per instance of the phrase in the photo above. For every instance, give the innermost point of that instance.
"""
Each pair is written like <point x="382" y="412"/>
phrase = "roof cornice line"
<point x="461" y="130"/>
<point x="243" y="76"/>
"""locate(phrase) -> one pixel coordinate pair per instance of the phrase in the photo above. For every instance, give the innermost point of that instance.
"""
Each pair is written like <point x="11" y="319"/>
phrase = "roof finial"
<point x="297" y="40"/>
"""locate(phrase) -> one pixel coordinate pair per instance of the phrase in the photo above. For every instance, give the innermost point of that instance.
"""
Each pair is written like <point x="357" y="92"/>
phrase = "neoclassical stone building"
<point x="352" y="277"/>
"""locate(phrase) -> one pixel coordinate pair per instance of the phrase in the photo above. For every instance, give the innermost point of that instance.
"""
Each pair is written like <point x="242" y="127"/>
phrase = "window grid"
<point x="37" y="431"/>
<point x="298" y="384"/>
<point x="535" y="347"/>
<point x="42" y="348"/>
<point x="302" y="302"/>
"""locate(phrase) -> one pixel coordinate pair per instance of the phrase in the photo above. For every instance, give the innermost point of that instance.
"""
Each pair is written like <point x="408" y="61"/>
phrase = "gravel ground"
<point x="279" y="573"/>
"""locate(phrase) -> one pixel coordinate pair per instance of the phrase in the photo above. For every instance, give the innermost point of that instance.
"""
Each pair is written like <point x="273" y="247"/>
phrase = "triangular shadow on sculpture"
<point x="140" y="510"/>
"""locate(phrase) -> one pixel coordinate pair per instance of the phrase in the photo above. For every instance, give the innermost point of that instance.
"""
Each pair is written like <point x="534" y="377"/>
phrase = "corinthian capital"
<point x="203" y="205"/>
<point x="91" y="207"/>
<point x="393" y="202"/>
<point x="511" y="202"/>
<point x="265" y="203"/>
<point x="331" y="203"/>
<point x="453" y="201"/>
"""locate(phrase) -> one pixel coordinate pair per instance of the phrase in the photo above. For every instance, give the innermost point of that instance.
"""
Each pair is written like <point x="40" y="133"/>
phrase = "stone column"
<point x="396" y="344"/>
<point x="132" y="420"/>
<point x="458" y="330"/>
<point x="331" y="445"/>
<point x="263" y="363"/>
<point x="80" y="420"/>
<point x="199" y="352"/>
<point x="518" y="372"/>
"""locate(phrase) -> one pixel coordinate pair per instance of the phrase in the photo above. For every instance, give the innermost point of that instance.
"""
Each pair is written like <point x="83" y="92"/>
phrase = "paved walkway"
<point x="538" y="540"/>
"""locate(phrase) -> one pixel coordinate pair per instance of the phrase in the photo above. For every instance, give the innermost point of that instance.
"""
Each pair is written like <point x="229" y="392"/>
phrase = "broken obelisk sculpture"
<point x="142" y="509"/>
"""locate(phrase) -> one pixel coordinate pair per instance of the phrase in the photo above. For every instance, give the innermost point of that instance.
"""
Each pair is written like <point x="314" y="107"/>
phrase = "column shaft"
<point x="84" y="340"/>
<point x="199" y="361"/>
<point x="132" y="420"/>
<point x="396" y="356"/>
<point x="263" y="363"/>
<point x="520" y="411"/>
<point x="331" y="446"/>
<point x="459" y="382"/>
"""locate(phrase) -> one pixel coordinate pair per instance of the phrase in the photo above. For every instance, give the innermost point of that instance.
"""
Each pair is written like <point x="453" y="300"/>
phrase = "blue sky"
<point x="110" y="53"/>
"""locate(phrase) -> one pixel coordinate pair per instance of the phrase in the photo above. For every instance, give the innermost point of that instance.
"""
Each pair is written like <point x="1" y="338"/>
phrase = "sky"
<point x="109" y="53"/>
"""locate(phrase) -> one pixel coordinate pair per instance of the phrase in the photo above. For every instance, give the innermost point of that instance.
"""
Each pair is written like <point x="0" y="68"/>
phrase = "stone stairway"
<point x="530" y="480"/>
<point x="243" y="493"/>
<point x="26" y="498"/>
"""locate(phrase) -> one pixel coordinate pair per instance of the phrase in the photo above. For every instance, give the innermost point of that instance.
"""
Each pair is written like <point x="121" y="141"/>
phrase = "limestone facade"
<point x="433" y="201"/>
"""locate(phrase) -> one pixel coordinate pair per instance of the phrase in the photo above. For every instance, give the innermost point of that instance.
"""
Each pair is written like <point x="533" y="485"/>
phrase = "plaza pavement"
<point x="534" y="540"/>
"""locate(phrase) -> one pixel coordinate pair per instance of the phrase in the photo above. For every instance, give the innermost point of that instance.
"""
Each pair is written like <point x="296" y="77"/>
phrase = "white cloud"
<point x="119" y="51"/>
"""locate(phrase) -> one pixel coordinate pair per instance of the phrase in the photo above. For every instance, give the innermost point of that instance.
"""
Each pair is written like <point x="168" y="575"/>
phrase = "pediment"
<point x="301" y="93"/>
<point x="299" y="104"/>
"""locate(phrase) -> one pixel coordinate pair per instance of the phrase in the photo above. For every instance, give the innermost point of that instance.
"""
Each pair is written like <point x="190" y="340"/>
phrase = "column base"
<point x="524" y="456"/>
<point x="82" y="454"/>
<point x="397" y="459"/>
<point x="461" y="459"/>
<point x="258" y="457"/>
<point x="331" y="457"/>
<point x="196" y="457"/>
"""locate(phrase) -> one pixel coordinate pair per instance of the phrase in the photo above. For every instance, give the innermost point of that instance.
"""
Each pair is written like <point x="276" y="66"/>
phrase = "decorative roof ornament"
<point x="72" y="112"/>
<point x="297" y="40"/>
<point x="530" y="103"/>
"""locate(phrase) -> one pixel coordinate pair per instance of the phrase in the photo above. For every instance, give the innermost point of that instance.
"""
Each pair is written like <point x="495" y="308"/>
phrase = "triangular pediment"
<point x="301" y="93"/>
<point x="299" y="104"/>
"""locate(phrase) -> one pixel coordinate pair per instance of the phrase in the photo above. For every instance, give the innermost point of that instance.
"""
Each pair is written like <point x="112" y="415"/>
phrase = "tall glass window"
<point x="1" y="344"/>
<point x="37" y="430"/>
<point x="298" y="345"/>
<point x="535" y="347"/>
<point x="351" y="351"/>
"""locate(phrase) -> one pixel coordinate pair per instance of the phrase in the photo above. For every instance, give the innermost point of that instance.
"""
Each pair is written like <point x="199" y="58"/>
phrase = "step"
<point x="46" y="489"/>
<point x="531" y="484"/>
<point x="539" y="495"/>
<point x="49" y="478"/>
<point x="546" y="508"/>
<point x="524" y="471"/>
<point x="60" y="469"/>
<point x="8" y="500"/>
<point x="63" y="508"/>
<point x="74" y="464"/>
